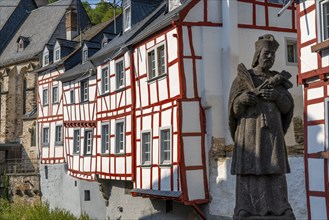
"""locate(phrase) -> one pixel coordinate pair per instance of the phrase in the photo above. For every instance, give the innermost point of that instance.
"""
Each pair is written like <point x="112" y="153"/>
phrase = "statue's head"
<point x="266" y="47"/>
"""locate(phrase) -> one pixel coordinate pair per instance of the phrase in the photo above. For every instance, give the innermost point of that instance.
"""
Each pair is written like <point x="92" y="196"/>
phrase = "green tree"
<point x="102" y="12"/>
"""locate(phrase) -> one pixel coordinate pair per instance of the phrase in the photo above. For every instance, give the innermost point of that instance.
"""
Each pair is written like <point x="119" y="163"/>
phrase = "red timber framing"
<point x="159" y="103"/>
<point x="314" y="82"/>
<point x="80" y="116"/>
<point x="266" y="5"/>
<point x="113" y="107"/>
<point x="50" y="116"/>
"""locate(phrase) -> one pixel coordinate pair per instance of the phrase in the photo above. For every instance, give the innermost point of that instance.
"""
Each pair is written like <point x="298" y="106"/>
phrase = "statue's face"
<point x="266" y="58"/>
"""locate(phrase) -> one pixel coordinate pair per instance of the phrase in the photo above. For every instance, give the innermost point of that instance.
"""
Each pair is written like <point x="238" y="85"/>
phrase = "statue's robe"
<point x="260" y="156"/>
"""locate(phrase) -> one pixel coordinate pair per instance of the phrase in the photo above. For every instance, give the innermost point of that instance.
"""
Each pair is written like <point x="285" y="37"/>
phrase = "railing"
<point x="19" y="166"/>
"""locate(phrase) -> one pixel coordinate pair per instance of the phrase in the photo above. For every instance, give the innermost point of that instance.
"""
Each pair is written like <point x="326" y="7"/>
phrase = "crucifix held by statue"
<point x="260" y="112"/>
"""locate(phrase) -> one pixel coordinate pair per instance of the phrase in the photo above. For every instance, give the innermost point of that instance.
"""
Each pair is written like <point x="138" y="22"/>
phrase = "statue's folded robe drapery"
<point x="259" y="131"/>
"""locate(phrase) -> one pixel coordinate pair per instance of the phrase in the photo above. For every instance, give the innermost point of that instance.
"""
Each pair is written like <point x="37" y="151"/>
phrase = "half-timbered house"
<point x="146" y="115"/>
<point x="313" y="72"/>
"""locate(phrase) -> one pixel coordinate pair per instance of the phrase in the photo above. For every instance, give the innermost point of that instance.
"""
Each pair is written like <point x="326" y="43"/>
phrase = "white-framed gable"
<point x="45" y="56"/>
<point x="57" y="52"/>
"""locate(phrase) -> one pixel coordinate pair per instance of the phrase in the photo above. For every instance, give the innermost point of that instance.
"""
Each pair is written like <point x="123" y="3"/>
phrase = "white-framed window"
<point x="72" y="96"/>
<point x="85" y="55"/>
<point x="45" y="136"/>
<point x="76" y="141"/>
<point x="119" y="74"/>
<point x="57" y="54"/>
<point x="45" y="96"/>
<point x="58" y="135"/>
<point x="105" y="138"/>
<point x="165" y="145"/>
<point x="291" y="51"/>
<point x="88" y="141"/>
<point x="323" y="18"/>
<point x="105" y="80"/>
<point x="156" y="60"/>
<point x="55" y="95"/>
<point x="146" y="145"/>
<point x="119" y="136"/>
<point x="46" y="59"/>
<point x="127" y="18"/>
<point x="84" y="90"/>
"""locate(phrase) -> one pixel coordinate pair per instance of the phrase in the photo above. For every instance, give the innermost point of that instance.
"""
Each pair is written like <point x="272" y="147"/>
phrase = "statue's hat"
<point x="266" y="41"/>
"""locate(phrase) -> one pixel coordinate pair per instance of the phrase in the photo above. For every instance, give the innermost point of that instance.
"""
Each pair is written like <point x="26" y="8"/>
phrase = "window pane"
<point x="146" y="148"/>
<point x="72" y="96"/>
<point x="76" y="141"/>
<point x="58" y="135"/>
<point x="105" y="80"/>
<point x="161" y="60"/>
<point x="119" y="74"/>
<point x="45" y="96"/>
<point x="326" y="20"/>
<point x="119" y="137"/>
<point x="55" y="94"/>
<point x="88" y="142"/>
<point x="151" y="61"/>
<point x="165" y="146"/>
<point x="105" y="138"/>
<point x="45" y="136"/>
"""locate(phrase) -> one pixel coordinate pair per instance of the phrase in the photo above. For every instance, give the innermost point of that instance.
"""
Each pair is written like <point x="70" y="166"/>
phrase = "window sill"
<point x="45" y="145"/>
<point x="45" y="105"/>
<point x="87" y="155"/>
<point x="148" y="165"/>
<point x="105" y="93"/>
<point x="165" y="165"/>
<point x="76" y="153"/>
<point x="58" y="144"/>
<point x="320" y="46"/>
<point x="120" y="89"/>
<point x="105" y="154"/>
<point x="119" y="153"/>
<point x="55" y="103"/>
<point x="84" y="102"/>
<point x="157" y="78"/>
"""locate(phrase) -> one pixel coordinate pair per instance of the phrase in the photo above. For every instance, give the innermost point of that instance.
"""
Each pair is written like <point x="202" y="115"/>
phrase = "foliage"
<point x="20" y="211"/>
<point x="102" y="12"/>
<point x="5" y="194"/>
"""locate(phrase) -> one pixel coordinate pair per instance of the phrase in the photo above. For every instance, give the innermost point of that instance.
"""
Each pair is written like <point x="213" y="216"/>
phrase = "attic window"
<point x="22" y="43"/>
<point x="45" y="58"/>
<point x="85" y="55"/>
<point x="57" y="55"/>
<point x="127" y="18"/>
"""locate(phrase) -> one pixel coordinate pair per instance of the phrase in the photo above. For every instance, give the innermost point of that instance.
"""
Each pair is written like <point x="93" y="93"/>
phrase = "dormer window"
<point x="22" y="43"/>
<point x="127" y="18"/>
<point x="85" y="55"/>
<point x="45" y="59"/>
<point x="57" y="55"/>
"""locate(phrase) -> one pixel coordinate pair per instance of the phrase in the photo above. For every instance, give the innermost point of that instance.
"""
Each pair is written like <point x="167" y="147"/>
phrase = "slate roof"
<point x="12" y="15"/>
<point x="42" y="26"/>
<point x="7" y="8"/>
<point x="80" y="71"/>
<point x="120" y="41"/>
<point x="163" y="20"/>
<point x="142" y="8"/>
<point x="67" y="43"/>
<point x="92" y="45"/>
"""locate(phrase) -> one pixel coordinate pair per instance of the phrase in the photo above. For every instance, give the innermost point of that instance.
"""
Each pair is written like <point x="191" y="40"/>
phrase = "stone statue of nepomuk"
<point x="260" y="112"/>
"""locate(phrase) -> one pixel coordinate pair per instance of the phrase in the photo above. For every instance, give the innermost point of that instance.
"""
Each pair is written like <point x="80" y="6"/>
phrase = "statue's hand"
<point x="248" y="98"/>
<point x="269" y="94"/>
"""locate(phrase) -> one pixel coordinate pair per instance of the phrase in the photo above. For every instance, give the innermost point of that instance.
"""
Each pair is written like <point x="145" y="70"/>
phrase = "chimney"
<point x="41" y="3"/>
<point x="71" y="23"/>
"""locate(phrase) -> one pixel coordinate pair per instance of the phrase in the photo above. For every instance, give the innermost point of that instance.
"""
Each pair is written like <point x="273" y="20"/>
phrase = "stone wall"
<point x="63" y="191"/>
<point x="24" y="188"/>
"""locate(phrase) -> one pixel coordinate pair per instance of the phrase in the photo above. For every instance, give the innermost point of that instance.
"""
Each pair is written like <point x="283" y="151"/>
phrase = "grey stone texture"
<point x="61" y="190"/>
<point x="24" y="188"/>
<point x="260" y="112"/>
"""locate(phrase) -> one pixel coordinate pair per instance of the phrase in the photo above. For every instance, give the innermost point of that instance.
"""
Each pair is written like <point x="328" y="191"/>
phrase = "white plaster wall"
<point x="222" y="188"/>
<point x="63" y="191"/>
<point x="142" y="208"/>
